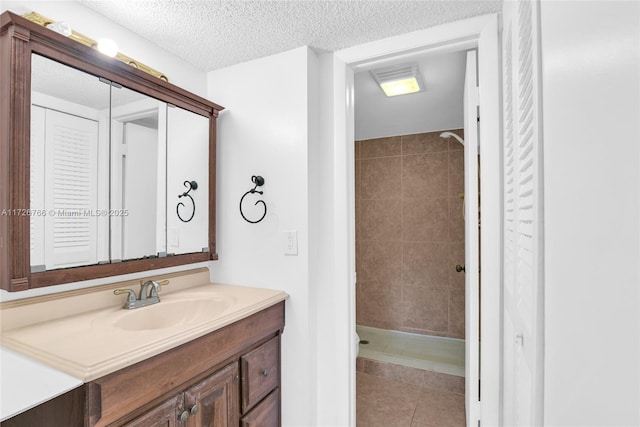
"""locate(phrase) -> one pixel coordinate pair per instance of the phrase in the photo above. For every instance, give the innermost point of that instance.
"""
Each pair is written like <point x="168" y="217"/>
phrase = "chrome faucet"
<point x="148" y="294"/>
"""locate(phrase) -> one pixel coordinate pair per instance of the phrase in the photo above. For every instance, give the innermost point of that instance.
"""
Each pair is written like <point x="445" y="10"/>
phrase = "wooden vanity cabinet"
<point x="211" y="402"/>
<point x="218" y="380"/>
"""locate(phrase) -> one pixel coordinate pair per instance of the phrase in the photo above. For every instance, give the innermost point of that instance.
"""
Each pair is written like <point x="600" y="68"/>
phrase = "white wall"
<point x="188" y="154"/>
<point x="265" y="131"/>
<point x="95" y="26"/>
<point x="591" y="93"/>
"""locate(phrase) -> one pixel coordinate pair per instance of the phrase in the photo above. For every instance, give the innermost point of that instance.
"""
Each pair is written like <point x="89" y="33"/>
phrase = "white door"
<point x="471" y="236"/>
<point x="139" y="191"/>
<point x="70" y="188"/>
<point x="523" y="329"/>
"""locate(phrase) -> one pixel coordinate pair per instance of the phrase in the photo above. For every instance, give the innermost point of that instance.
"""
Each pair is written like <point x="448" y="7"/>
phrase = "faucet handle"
<point x="155" y="287"/>
<point x="131" y="298"/>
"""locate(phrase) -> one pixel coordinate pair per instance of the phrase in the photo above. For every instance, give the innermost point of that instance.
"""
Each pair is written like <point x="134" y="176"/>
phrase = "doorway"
<point x="480" y="33"/>
<point x="410" y="240"/>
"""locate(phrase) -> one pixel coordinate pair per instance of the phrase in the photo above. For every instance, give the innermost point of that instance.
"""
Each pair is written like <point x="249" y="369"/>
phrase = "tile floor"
<point x="383" y="402"/>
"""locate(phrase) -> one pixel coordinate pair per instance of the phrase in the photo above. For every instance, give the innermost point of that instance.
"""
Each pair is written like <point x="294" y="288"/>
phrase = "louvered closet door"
<point x="71" y="178"/>
<point x="523" y="320"/>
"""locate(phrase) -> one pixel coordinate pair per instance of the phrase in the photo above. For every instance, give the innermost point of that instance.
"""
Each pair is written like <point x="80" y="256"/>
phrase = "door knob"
<point x="459" y="268"/>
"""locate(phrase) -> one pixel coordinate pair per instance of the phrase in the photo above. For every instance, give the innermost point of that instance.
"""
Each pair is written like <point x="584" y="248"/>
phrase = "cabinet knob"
<point x="194" y="409"/>
<point x="265" y="373"/>
<point x="459" y="268"/>
<point x="184" y="416"/>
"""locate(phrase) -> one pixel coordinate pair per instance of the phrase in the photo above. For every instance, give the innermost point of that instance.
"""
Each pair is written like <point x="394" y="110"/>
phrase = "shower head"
<point x="451" y="134"/>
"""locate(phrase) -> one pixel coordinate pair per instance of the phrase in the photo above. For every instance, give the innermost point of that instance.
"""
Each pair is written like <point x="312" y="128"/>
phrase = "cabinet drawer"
<point x="260" y="372"/>
<point x="266" y="414"/>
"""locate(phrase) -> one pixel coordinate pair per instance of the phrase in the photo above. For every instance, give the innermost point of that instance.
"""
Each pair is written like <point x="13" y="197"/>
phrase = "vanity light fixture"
<point x="399" y="79"/>
<point x="112" y="50"/>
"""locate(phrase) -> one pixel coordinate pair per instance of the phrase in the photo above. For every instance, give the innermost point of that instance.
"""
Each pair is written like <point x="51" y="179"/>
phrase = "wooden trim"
<point x="14" y="140"/>
<point x="212" y="189"/>
<point x="67" y="275"/>
<point x="19" y="38"/>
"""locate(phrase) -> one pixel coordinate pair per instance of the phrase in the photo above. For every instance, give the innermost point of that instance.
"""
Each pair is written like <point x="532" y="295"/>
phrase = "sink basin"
<point x="171" y="313"/>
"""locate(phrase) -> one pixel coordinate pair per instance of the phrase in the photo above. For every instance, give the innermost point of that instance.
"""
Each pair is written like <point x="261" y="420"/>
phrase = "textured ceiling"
<point x="211" y="34"/>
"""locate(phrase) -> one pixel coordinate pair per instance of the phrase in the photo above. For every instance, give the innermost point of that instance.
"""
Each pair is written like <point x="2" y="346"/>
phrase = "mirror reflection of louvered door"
<point x="70" y="190"/>
<point x="523" y="237"/>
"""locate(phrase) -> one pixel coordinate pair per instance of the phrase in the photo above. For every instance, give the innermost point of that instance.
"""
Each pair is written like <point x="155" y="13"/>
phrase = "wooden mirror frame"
<point x="19" y="38"/>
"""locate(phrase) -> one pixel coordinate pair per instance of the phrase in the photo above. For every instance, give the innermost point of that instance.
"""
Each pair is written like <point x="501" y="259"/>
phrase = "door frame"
<point x="480" y="32"/>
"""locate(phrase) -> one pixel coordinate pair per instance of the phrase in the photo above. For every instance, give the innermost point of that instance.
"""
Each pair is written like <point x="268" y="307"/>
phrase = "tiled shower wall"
<point x="410" y="234"/>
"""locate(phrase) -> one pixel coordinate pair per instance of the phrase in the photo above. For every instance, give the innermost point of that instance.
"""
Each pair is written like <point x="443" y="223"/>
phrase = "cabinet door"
<point x="214" y="401"/>
<point x="165" y="415"/>
<point x="265" y="414"/>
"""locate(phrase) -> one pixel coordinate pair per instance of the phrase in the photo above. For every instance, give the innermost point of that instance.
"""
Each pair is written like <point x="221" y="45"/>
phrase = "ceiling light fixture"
<point x="399" y="79"/>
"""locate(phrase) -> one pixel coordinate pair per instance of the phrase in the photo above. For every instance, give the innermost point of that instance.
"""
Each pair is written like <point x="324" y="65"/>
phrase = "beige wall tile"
<point x="380" y="219"/>
<point x="359" y="304"/>
<point x="380" y="178"/>
<point x="380" y="305"/>
<point x="409" y="231"/>
<point x="425" y="220"/>
<point x="423" y="143"/>
<point x="425" y="264"/>
<point x="425" y="308"/>
<point x="455" y="145"/>
<point x="358" y="171"/>
<point x="455" y="219"/>
<point x="456" y="256"/>
<point x="380" y="262"/>
<point x="456" y="173"/>
<point x="380" y="147"/>
<point x="425" y="175"/>
<point x="456" y="314"/>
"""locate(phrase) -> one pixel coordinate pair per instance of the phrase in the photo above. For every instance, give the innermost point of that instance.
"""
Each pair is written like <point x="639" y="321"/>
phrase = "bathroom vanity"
<point x="107" y="169"/>
<point x="207" y="354"/>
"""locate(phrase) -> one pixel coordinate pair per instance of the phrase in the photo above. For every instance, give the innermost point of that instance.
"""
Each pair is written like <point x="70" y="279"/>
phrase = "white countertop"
<point x="25" y="383"/>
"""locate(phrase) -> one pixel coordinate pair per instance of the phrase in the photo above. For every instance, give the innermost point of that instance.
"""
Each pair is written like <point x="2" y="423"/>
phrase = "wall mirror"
<point x="105" y="170"/>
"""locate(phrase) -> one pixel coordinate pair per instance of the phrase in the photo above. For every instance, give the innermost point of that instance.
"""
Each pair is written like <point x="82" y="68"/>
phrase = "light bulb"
<point x="107" y="47"/>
